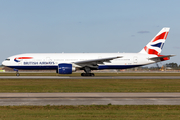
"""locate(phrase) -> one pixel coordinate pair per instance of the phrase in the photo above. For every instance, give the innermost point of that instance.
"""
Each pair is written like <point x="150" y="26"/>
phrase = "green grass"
<point x="89" y="85"/>
<point x="100" y="112"/>
<point x="96" y="74"/>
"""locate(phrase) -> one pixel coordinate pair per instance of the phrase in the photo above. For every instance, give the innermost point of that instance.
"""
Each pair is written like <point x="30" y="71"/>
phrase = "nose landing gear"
<point x="17" y="73"/>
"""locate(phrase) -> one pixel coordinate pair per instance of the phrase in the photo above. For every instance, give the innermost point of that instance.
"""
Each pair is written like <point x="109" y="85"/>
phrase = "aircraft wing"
<point x="161" y="57"/>
<point x="94" y="62"/>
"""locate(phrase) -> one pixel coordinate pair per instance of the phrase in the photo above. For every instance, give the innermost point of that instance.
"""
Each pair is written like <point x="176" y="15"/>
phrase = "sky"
<point x="87" y="26"/>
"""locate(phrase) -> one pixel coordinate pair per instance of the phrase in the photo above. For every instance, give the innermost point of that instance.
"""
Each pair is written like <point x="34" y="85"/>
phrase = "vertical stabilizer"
<point x="156" y="44"/>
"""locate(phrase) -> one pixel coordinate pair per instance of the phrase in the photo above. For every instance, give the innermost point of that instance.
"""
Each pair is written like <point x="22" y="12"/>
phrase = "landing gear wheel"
<point x="17" y="74"/>
<point x="82" y="74"/>
<point x="87" y="74"/>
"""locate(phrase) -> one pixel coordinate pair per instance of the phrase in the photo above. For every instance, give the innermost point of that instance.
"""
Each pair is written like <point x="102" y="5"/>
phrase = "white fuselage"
<point x="51" y="60"/>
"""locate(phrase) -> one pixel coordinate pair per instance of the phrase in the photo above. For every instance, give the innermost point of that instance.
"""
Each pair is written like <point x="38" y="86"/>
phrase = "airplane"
<point x="66" y="63"/>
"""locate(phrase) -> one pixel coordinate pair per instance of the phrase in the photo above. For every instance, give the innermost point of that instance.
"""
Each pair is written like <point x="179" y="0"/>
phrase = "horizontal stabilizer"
<point x="162" y="57"/>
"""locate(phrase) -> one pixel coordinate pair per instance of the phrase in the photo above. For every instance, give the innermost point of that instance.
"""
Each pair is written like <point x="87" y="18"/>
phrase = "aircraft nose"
<point x="4" y="63"/>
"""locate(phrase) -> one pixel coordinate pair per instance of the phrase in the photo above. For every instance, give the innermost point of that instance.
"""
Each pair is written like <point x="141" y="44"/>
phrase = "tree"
<point x="172" y="65"/>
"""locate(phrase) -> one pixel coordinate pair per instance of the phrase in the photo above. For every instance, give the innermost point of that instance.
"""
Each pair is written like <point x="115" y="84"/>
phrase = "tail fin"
<point x="156" y="44"/>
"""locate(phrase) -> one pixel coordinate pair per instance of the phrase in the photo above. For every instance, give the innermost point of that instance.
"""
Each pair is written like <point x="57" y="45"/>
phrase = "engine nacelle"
<point x="65" y="68"/>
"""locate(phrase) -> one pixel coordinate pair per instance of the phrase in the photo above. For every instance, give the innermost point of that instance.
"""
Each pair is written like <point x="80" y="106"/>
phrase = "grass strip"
<point x="100" y="112"/>
<point x="89" y="85"/>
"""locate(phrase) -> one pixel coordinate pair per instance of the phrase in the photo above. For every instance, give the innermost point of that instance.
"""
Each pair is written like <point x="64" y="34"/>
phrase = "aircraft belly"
<point x="117" y="66"/>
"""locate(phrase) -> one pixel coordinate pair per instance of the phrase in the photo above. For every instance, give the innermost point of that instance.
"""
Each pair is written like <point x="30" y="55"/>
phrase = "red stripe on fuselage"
<point x="24" y="57"/>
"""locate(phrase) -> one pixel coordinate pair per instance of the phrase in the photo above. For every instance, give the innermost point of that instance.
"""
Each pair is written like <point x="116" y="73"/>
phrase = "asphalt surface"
<point x="89" y="99"/>
<point x="104" y="77"/>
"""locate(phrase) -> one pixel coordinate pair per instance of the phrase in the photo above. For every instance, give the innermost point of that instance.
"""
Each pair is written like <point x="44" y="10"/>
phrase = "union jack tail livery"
<point x="156" y="44"/>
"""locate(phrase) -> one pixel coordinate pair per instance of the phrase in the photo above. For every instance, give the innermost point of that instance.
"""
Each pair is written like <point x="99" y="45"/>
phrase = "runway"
<point x="89" y="99"/>
<point x="7" y="99"/>
<point x="103" y="77"/>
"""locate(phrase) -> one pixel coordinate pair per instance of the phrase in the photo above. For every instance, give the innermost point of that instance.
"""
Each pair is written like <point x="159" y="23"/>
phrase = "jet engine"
<point x="65" y="68"/>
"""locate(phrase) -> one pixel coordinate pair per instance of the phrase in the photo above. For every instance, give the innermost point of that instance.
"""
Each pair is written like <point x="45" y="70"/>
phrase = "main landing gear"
<point x="87" y="71"/>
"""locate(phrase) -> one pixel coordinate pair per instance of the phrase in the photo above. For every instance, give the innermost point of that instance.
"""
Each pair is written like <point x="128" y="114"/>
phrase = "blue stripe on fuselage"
<point x="35" y="67"/>
<point x="100" y="67"/>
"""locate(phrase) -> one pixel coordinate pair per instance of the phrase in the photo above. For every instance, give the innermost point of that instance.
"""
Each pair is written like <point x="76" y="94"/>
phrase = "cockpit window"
<point x="7" y="59"/>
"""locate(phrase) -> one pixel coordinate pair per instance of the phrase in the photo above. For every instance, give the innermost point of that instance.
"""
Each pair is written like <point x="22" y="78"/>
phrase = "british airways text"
<point x="39" y="63"/>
